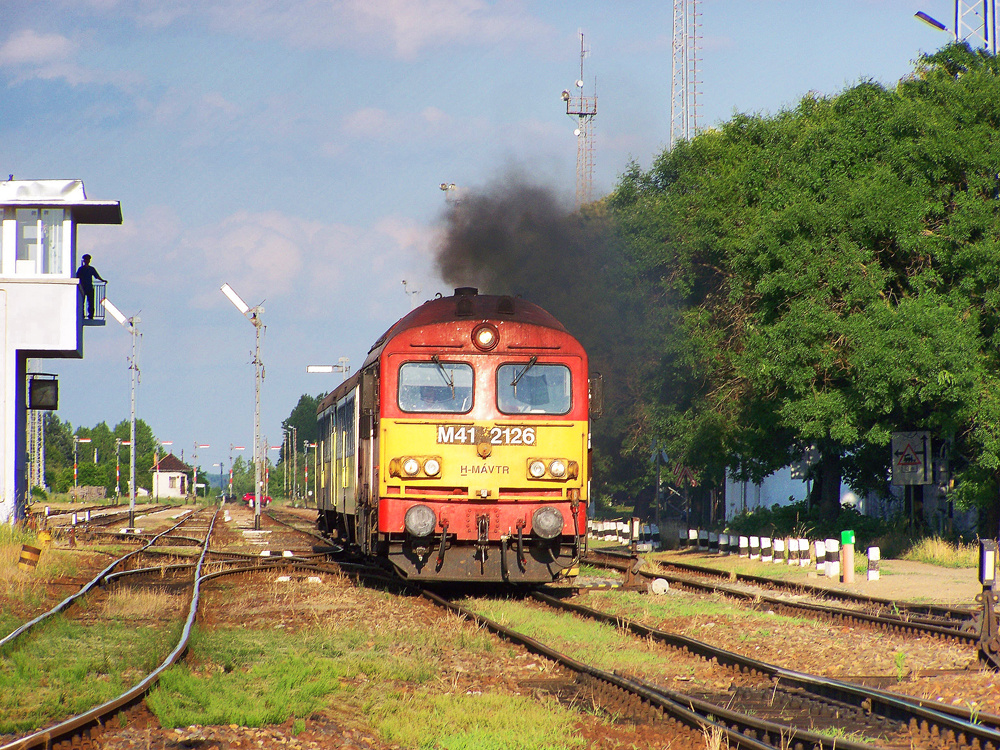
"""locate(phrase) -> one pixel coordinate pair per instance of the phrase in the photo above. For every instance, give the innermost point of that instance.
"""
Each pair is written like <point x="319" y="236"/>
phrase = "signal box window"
<point x="436" y="387"/>
<point x="529" y="388"/>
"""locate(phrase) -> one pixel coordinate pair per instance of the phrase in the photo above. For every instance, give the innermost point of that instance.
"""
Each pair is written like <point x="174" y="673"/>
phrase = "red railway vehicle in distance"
<point x="460" y="450"/>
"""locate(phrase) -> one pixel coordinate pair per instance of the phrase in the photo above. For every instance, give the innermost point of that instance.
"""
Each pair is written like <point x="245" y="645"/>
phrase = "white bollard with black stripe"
<point x="820" y="547"/>
<point x="723" y="544"/>
<point x="766" y="549"/>
<point x="755" y="548"/>
<point x="874" y="553"/>
<point x="713" y="542"/>
<point x="692" y="538"/>
<point x="744" y="546"/>
<point x="804" y="552"/>
<point x="832" y="558"/>
<point x="779" y="551"/>
<point x="793" y="551"/>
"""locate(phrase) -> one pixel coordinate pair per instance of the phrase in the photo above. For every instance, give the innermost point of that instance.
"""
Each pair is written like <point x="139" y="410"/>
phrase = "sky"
<point x="294" y="149"/>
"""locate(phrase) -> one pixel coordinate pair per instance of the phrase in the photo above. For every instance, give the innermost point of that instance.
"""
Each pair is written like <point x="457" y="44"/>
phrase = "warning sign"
<point x="911" y="458"/>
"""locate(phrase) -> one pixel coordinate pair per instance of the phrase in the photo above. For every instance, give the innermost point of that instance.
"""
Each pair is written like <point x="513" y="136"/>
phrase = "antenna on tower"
<point x="684" y="72"/>
<point x="584" y="108"/>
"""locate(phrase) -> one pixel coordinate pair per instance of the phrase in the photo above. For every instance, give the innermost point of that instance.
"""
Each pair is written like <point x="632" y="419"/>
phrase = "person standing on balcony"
<point x="86" y="273"/>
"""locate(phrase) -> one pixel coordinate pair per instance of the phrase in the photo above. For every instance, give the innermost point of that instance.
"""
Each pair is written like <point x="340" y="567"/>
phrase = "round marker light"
<point x="411" y="466"/>
<point x="485" y="337"/>
<point x="537" y="469"/>
<point x="432" y="467"/>
<point x="547" y="522"/>
<point x="419" y="521"/>
<point x="557" y="468"/>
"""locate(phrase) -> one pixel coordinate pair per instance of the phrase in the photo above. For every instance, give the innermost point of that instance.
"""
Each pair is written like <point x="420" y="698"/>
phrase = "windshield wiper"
<point x="447" y="377"/>
<point x="517" y="378"/>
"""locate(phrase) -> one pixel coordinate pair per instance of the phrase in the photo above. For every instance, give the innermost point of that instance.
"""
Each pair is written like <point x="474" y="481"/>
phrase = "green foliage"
<point x="798" y="520"/>
<point x="100" y="460"/>
<point x="831" y="274"/>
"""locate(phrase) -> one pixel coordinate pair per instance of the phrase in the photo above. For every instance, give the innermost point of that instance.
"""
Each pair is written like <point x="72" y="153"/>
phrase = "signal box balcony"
<point x="41" y="308"/>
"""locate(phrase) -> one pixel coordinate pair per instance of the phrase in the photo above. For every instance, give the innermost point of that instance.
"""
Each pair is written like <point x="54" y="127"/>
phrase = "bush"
<point x="798" y="520"/>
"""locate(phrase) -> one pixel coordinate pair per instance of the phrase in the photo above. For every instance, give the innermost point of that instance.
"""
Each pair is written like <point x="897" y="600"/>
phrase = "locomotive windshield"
<point x="532" y="388"/>
<point x="438" y="387"/>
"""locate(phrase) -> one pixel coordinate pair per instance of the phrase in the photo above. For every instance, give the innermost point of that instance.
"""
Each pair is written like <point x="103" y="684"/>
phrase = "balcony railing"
<point x="98" y="319"/>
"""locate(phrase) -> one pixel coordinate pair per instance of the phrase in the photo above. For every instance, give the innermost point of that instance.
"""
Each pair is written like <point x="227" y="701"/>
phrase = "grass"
<point x="71" y="667"/>
<point x="259" y="677"/>
<point x="472" y="722"/>
<point x="601" y="645"/>
<point x="937" y="551"/>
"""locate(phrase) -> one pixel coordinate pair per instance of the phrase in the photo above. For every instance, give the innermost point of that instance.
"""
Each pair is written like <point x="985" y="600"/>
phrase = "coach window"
<point x="437" y="387"/>
<point x="530" y="388"/>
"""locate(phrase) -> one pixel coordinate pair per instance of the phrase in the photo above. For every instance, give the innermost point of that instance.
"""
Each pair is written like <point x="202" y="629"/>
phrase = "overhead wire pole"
<point x="253" y="314"/>
<point x="130" y="324"/>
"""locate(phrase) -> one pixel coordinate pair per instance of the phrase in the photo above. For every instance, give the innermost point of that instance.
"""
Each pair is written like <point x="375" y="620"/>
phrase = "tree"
<point x="830" y="276"/>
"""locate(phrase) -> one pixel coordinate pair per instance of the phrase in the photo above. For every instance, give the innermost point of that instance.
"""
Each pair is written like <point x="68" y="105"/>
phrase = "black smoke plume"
<point x="518" y="238"/>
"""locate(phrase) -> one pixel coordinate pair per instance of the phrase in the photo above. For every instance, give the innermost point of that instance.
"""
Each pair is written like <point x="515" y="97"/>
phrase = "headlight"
<point x="547" y="522"/>
<point x="557" y="468"/>
<point x="485" y="337"/>
<point x="537" y="469"/>
<point x="420" y="521"/>
<point x="411" y="466"/>
<point x="432" y="467"/>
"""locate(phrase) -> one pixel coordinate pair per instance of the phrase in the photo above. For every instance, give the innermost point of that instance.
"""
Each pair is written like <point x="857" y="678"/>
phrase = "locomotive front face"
<point x="483" y="448"/>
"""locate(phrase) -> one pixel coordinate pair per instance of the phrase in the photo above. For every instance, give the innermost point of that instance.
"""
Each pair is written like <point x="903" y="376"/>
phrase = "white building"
<point x="41" y="308"/>
<point x="170" y="477"/>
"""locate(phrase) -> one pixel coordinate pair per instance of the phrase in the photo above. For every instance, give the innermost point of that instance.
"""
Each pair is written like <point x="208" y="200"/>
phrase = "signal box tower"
<point x="584" y="108"/>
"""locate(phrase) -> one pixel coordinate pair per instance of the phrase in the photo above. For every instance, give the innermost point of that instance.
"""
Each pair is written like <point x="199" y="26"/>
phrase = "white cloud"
<point x="26" y="47"/>
<point x="408" y="27"/>
<point x="428" y="124"/>
<point x="264" y="256"/>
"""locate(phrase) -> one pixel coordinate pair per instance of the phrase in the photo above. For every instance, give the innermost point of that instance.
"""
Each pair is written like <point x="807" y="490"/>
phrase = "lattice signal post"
<point x="584" y="108"/>
<point x="684" y="72"/>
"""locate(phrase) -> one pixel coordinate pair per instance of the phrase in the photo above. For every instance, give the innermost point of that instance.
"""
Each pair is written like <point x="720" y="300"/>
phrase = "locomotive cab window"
<point x="531" y="388"/>
<point x="436" y="387"/>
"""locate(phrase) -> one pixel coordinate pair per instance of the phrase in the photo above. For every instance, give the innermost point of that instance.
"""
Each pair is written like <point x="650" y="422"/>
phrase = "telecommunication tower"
<point x="684" y="72"/>
<point x="584" y="108"/>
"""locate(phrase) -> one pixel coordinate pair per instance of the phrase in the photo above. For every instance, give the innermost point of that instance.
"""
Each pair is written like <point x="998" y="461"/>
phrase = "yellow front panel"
<point x="478" y="457"/>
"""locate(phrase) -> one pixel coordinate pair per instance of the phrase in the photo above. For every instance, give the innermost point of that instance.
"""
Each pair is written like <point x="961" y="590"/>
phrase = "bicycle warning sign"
<point x="911" y="458"/>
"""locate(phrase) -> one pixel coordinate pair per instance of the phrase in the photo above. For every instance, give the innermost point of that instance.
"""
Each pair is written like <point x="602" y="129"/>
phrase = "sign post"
<point x="912" y="463"/>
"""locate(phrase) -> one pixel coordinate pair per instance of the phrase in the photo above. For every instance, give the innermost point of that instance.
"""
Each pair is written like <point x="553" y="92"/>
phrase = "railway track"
<point x="947" y="623"/>
<point x="83" y="729"/>
<point x="777" y="707"/>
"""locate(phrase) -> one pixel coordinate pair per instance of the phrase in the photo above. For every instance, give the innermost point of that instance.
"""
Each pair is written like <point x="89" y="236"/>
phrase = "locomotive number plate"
<point x="511" y="434"/>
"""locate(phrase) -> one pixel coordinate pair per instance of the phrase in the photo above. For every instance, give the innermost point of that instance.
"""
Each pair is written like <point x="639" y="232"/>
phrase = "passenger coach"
<point x="460" y="450"/>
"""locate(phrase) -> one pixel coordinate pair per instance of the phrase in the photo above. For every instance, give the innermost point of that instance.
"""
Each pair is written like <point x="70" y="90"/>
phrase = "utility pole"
<point x="295" y="462"/>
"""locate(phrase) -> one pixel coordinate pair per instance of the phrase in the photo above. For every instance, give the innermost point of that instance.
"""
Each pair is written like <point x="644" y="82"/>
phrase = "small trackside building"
<point x="41" y="310"/>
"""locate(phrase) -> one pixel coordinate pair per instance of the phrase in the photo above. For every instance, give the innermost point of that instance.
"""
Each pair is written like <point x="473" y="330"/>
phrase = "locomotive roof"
<point x="465" y="304"/>
<point x="468" y="304"/>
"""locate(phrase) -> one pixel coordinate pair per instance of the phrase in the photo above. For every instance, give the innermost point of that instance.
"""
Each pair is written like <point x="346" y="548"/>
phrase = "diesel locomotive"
<point x="460" y="450"/>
